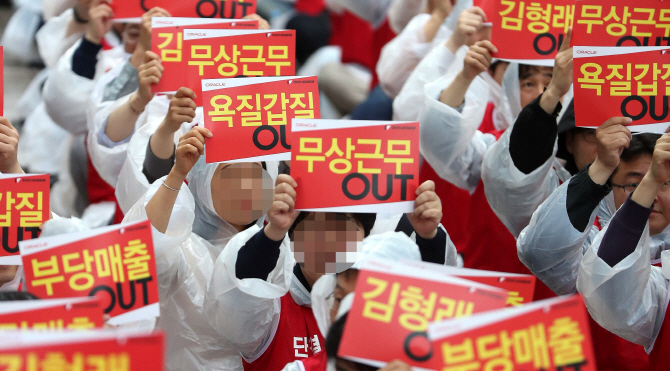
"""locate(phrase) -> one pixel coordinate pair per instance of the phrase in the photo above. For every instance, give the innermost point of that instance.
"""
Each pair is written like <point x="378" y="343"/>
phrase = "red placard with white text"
<point x="547" y="335"/>
<point x="398" y="302"/>
<point x="24" y="206"/>
<point x="520" y="287"/>
<point x="621" y="23"/>
<point x="167" y="35"/>
<point x="115" y="263"/>
<point x="51" y="314"/>
<point x="530" y="32"/>
<point x="82" y="350"/>
<point x="132" y="10"/>
<point x="217" y="54"/>
<point x="622" y="81"/>
<point x="250" y="117"/>
<point x="363" y="166"/>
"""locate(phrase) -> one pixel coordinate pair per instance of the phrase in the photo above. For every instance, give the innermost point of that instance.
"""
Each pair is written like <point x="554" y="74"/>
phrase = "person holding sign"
<point x="9" y="144"/>
<point x="457" y="130"/>
<point x="191" y="226"/>
<point x="623" y="292"/>
<point x="257" y="283"/>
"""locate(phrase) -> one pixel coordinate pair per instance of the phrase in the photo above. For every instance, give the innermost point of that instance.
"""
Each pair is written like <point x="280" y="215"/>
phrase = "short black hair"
<point x="526" y="70"/>
<point x="365" y="220"/>
<point x="16" y="295"/>
<point x="640" y="145"/>
<point x="333" y="342"/>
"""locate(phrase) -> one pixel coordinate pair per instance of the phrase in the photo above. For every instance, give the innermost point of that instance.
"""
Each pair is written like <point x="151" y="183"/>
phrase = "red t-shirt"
<point x="297" y="338"/>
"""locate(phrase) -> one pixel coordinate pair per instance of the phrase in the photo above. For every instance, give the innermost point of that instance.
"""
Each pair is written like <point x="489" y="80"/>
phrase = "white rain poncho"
<point x="631" y="298"/>
<point x="53" y="40"/>
<point x="109" y="161"/>
<point x="400" y="56"/>
<point x="185" y="256"/>
<point x="450" y="140"/>
<point x="67" y="95"/>
<point x="513" y="195"/>
<point x="438" y="62"/>
<point x="401" y="13"/>
<point x="132" y="183"/>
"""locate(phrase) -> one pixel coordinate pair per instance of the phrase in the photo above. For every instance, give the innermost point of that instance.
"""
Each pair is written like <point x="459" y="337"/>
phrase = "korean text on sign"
<point x="621" y="23"/>
<point x="54" y="314"/>
<point x="24" y="206"/>
<point x="622" y="81"/>
<point x="117" y="265"/>
<point x="366" y="166"/>
<point x="530" y="30"/>
<point x="250" y="118"/>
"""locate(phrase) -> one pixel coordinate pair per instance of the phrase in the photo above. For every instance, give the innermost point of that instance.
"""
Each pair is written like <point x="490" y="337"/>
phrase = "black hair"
<point x="333" y="342"/>
<point x="365" y="220"/>
<point x="525" y="70"/>
<point x="16" y="295"/>
<point x="640" y="145"/>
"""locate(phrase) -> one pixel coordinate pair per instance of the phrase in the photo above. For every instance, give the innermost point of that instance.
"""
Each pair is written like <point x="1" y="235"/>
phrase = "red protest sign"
<point x="399" y="301"/>
<point x="82" y="350"/>
<point x="249" y="117"/>
<point x="548" y="335"/>
<point x="24" y="206"/>
<point x="485" y="5"/>
<point x="216" y="54"/>
<point x="363" y="166"/>
<point x="622" y="81"/>
<point x="51" y="314"/>
<point x="131" y="10"/>
<point x="621" y="23"/>
<point x="115" y="263"/>
<point x="167" y="38"/>
<point x="520" y="287"/>
<point x="530" y="32"/>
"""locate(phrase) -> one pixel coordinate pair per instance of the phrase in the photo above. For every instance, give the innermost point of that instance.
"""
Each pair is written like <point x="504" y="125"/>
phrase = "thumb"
<point x="617" y="121"/>
<point x="185" y="92"/>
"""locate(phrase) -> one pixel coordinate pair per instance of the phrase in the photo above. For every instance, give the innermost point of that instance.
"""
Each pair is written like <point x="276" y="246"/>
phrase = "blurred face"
<point x="532" y="81"/>
<point x="7" y="273"/>
<point x="130" y="36"/>
<point x="241" y="192"/>
<point x="583" y="145"/>
<point x="326" y="243"/>
<point x="626" y="178"/>
<point x="346" y="283"/>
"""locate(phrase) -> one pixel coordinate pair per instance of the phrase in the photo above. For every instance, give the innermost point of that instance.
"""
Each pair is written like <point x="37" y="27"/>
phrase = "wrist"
<point x="175" y="179"/>
<point x="454" y="43"/>
<point x="93" y="38"/>
<point x="599" y="172"/>
<point x="428" y="236"/>
<point x="15" y="169"/>
<point x="439" y="15"/>
<point x="137" y="103"/>
<point x="274" y="233"/>
<point x="550" y="99"/>
<point x="80" y="14"/>
<point x="464" y="78"/>
<point x="645" y="193"/>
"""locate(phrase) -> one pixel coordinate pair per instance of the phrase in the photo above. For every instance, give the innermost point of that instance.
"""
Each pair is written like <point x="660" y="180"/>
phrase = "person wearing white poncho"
<point x="464" y="114"/>
<point x="191" y="226"/>
<point x="623" y="292"/>
<point x="259" y="298"/>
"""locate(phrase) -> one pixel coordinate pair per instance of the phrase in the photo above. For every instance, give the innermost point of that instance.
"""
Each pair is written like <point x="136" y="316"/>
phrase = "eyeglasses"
<point x="629" y="188"/>
<point x="589" y="135"/>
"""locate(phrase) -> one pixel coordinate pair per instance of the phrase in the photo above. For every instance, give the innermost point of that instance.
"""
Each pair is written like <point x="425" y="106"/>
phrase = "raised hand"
<point x="427" y="211"/>
<point x="282" y="214"/>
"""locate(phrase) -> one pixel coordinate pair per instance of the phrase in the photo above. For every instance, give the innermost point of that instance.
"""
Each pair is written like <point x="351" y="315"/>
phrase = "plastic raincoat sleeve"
<point x="52" y="39"/>
<point x="108" y="161"/>
<point x="551" y="247"/>
<point x="629" y="299"/>
<point x="246" y="312"/>
<point x="513" y="195"/>
<point x="438" y="62"/>
<point x="66" y="94"/>
<point x="402" y="54"/>
<point x="167" y="245"/>
<point x="401" y="13"/>
<point x="450" y="141"/>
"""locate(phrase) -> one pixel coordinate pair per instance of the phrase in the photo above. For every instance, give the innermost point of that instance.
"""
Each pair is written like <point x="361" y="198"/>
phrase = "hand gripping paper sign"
<point x="24" y="206"/>
<point x="116" y="264"/>
<point x="167" y="41"/>
<point x="132" y="10"/>
<point x="530" y="32"/>
<point x="621" y="23"/>
<point x="217" y="54"/>
<point x="51" y="314"/>
<point x="362" y="166"/>
<point x="547" y="335"/>
<point x="520" y="287"/>
<point x="82" y="350"/>
<point x="399" y="302"/>
<point x="250" y="117"/>
<point x="622" y="81"/>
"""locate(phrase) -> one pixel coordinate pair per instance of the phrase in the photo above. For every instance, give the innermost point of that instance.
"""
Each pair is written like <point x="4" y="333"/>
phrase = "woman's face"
<point x="241" y="192"/>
